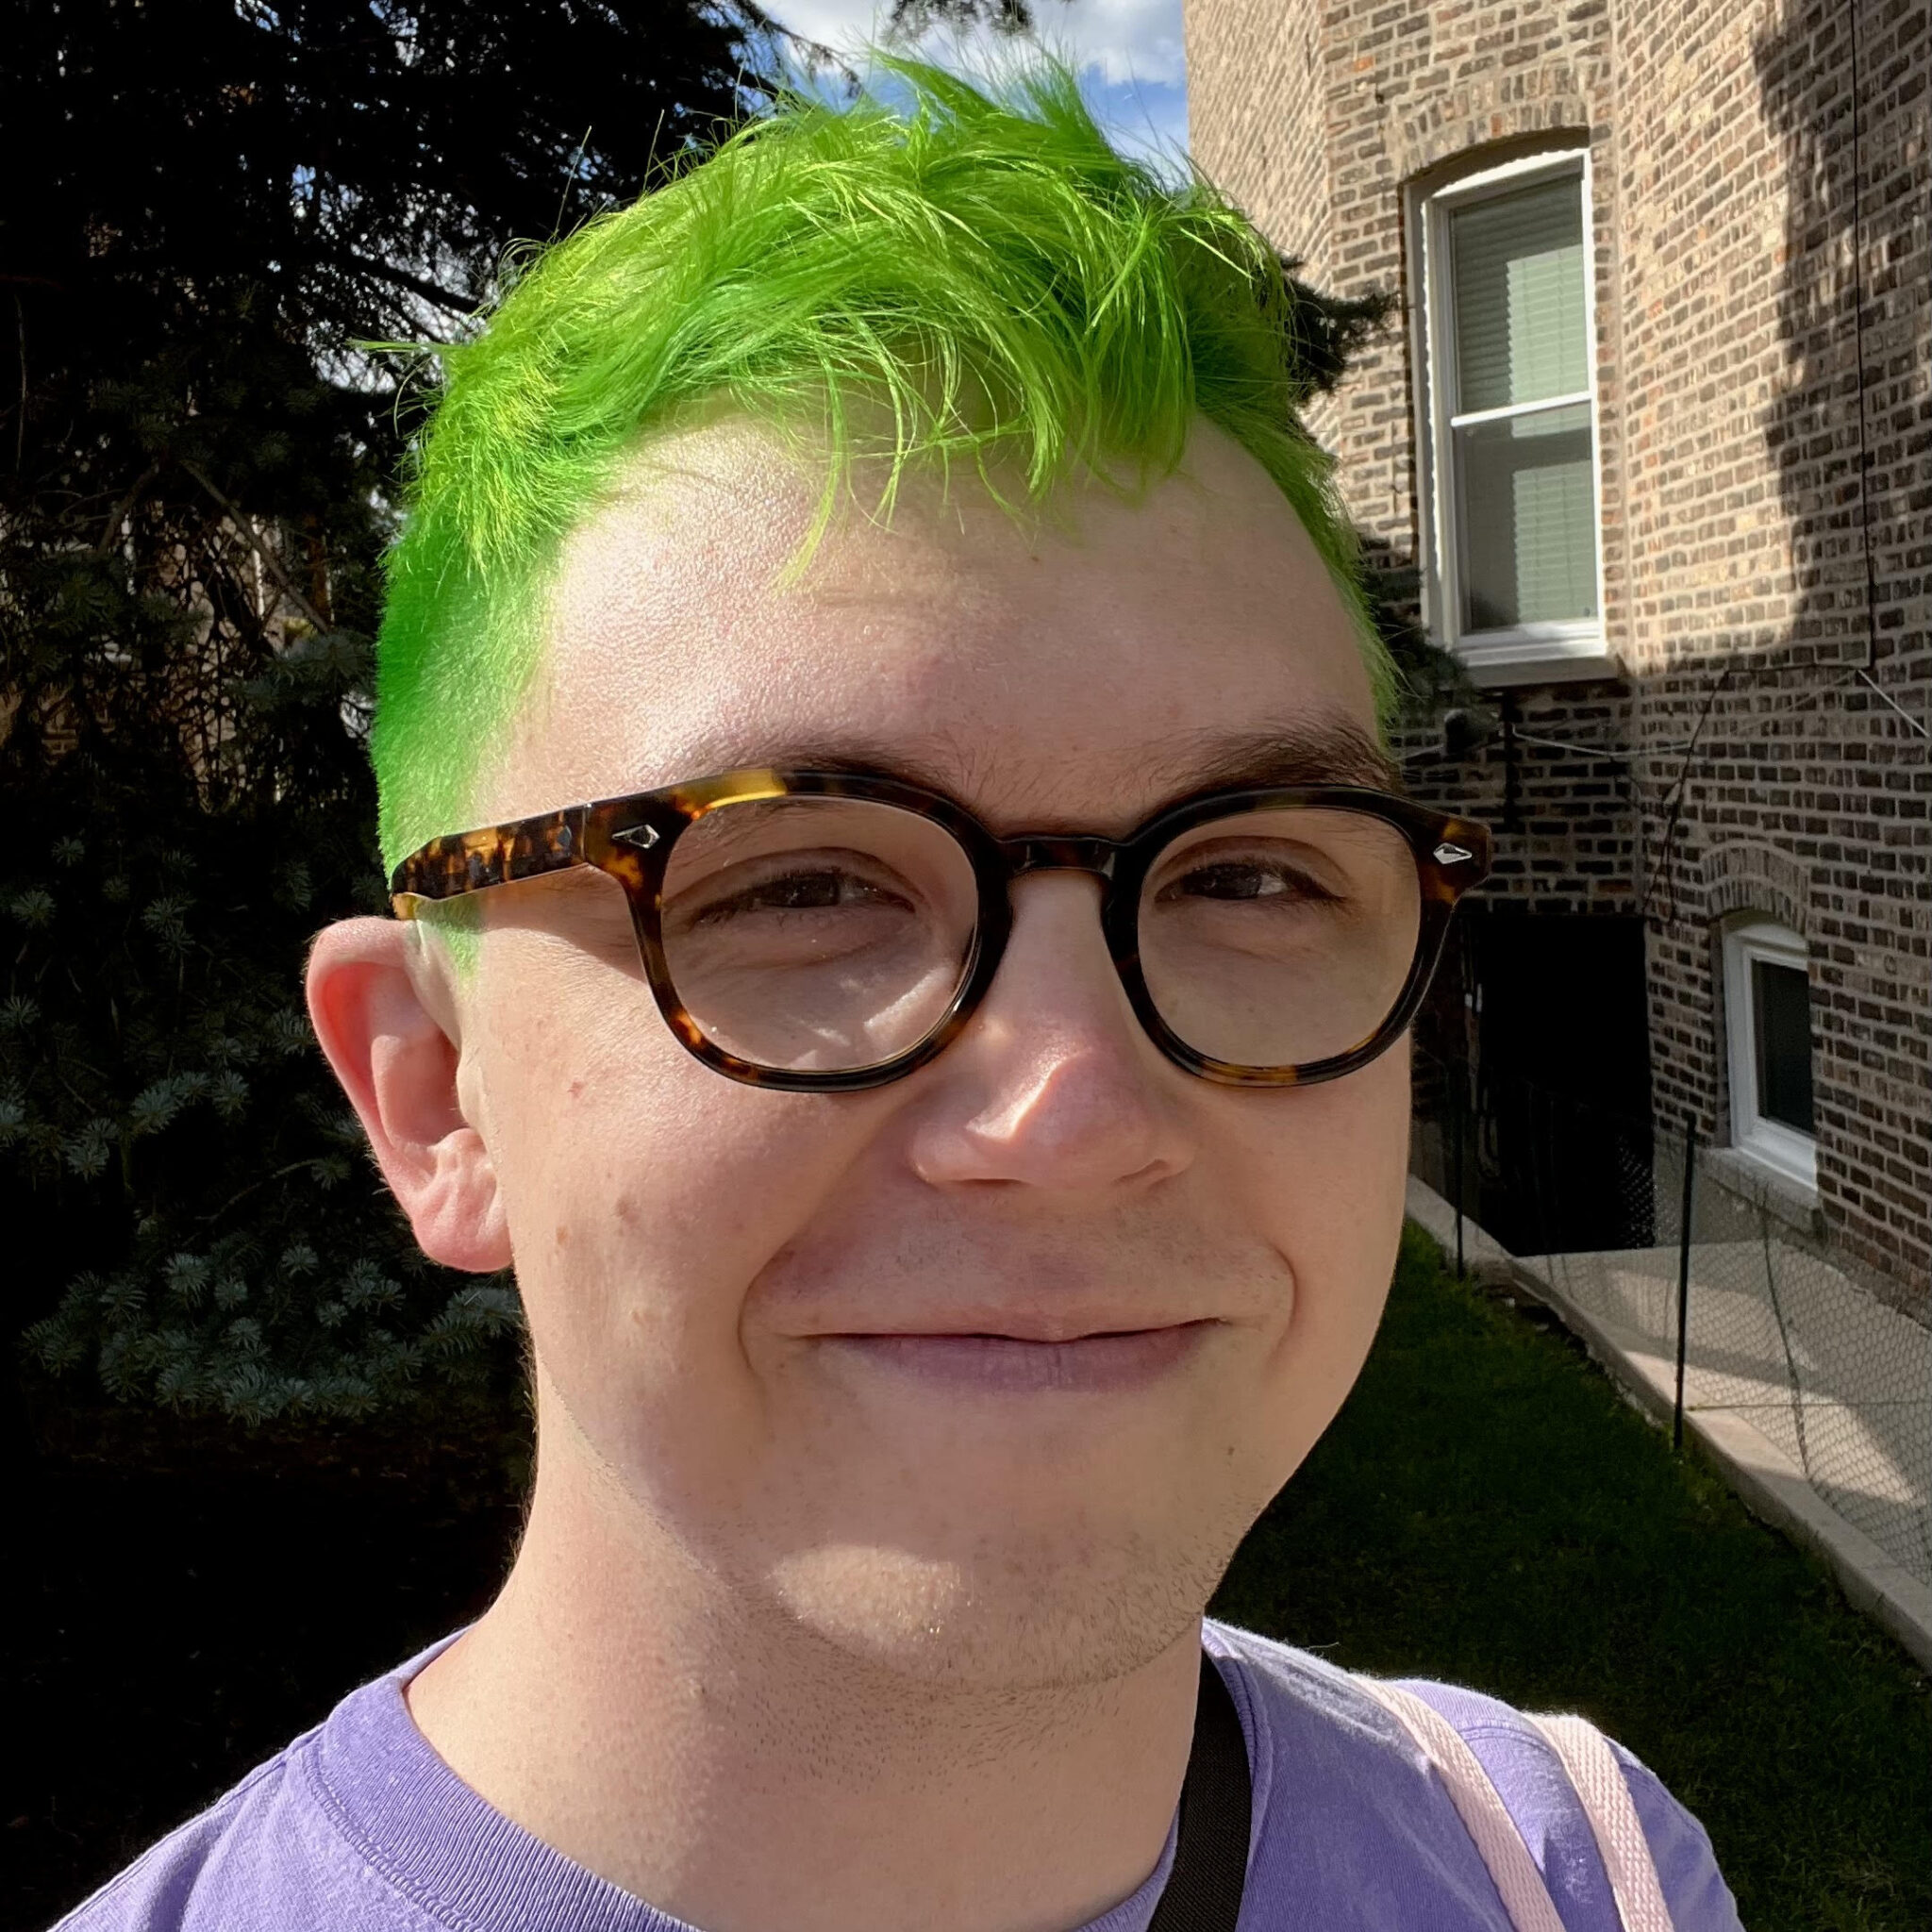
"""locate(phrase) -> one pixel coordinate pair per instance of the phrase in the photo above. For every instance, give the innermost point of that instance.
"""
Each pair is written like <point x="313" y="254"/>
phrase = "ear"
<point x="369" y="993"/>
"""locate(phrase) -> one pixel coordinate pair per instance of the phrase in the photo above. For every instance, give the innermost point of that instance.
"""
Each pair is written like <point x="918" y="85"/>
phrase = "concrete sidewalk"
<point x="1813" y="1398"/>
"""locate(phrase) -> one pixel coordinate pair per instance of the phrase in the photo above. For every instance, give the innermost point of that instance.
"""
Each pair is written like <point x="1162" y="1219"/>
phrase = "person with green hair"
<point x="907" y="931"/>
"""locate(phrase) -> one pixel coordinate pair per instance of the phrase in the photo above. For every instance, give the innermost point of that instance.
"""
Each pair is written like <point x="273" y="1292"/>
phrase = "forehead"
<point x="1071" y="664"/>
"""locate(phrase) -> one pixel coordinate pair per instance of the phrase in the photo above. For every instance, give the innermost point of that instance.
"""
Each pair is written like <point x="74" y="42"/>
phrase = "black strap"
<point x="1211" y="1853"/>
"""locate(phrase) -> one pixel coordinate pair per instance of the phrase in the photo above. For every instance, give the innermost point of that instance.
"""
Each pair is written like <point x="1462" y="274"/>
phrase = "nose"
<point x="1053" y="1084"/>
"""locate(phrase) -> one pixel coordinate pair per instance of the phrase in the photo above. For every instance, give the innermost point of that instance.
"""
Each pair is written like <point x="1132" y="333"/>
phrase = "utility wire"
<point x="1857" y="675"/>
<point x="1675" y="796"/>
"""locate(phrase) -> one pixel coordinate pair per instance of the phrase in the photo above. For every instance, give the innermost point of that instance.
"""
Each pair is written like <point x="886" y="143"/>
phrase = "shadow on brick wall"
<point x="1805" y="794"/>
<point x="1839" y="83"/>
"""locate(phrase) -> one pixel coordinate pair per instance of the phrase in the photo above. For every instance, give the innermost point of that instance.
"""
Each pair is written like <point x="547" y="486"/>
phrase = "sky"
<point x="1126" y="52"/>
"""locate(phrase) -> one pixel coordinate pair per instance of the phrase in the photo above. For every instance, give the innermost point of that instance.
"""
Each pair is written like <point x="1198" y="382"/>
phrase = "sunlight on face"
<point x="983" y="1373"/>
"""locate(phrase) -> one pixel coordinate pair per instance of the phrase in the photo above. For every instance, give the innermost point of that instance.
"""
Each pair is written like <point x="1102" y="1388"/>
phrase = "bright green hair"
<point x="1013" y="292"/>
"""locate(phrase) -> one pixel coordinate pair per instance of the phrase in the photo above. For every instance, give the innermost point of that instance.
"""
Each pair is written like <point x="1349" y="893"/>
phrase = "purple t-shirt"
<point x="360" y="1826"/>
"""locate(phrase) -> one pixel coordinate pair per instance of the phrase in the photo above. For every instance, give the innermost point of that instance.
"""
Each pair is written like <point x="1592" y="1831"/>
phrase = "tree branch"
<point x="270" y="562"/>
<point x="416" y="285"/>
<point x="125" y="508"/>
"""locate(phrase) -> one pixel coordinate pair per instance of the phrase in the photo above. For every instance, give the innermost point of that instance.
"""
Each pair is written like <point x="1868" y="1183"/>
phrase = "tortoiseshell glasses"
<point x="824" y="931"/>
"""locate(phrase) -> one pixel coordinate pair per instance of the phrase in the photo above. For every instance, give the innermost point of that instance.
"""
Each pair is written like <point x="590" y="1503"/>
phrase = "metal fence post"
<point x="1457" y="1084"/>
<point x="1684" y="1274"/>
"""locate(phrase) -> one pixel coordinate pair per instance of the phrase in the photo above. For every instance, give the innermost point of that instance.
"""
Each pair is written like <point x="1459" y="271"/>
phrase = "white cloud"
<point x="1125" y="40"/>
<point x="1128" y="53"/>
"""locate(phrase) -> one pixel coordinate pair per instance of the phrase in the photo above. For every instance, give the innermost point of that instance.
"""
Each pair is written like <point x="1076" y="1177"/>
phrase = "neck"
<point x="746" y="1774"/>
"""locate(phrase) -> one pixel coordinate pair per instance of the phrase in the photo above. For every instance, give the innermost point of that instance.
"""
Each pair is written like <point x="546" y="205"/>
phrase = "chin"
<point x="1012" y="1615"/>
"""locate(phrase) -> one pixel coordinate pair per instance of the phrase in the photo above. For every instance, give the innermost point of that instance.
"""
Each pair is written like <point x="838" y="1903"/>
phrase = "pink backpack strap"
<point x="1479" y="1804"/>
<point x="1605" y="1799"/>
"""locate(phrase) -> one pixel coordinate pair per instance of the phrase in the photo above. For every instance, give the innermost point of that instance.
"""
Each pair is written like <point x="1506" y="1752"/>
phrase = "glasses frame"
<point x="632" y="838"/>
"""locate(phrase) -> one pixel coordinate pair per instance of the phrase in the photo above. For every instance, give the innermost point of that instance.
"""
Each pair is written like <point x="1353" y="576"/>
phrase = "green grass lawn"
<point x="1488" y="1510"/>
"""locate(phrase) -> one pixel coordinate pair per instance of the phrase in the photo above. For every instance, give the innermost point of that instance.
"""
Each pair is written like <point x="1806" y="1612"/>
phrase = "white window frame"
<point x="1525" y="653"/>
<point x="1787" y="1152"/>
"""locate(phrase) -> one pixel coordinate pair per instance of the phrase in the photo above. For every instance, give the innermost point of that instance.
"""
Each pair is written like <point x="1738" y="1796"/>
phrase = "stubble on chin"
<point x="1052" y="1613"/>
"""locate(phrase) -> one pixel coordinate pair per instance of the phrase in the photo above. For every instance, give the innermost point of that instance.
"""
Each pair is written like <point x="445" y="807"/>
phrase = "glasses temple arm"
<point x="489" y="856"/>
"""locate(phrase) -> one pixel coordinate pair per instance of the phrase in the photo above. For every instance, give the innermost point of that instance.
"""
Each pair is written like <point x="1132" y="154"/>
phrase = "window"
<point x="1509" y="416"/>
<point x="1767" y="1016"/>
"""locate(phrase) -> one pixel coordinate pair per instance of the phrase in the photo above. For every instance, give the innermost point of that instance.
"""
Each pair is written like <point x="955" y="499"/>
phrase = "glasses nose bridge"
<point x="1047" y="853"/>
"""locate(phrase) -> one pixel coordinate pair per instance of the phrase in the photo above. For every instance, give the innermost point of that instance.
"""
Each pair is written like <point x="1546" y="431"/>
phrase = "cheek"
<point x="1328" y="1182"/>
<point x="644" y="1193"/>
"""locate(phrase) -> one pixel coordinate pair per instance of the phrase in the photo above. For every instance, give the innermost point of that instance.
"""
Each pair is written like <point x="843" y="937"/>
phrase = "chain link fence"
<point x="1679" y="1250"/>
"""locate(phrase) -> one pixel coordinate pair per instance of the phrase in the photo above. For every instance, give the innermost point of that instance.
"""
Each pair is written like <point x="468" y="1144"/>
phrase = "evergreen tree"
<point x="208" y="204"/>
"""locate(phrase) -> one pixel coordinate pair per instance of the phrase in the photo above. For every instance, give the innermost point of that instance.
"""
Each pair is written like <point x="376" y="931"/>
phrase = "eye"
<point x="818" y="890"/>
<point x="1243" y="878"/>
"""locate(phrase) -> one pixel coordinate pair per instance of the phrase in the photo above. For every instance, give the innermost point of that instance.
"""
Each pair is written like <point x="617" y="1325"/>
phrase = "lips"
<point x="1098" y="1362"/>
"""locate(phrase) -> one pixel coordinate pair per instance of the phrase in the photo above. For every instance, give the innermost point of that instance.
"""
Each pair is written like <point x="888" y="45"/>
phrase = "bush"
<point x="195" y="462"/>
<point x="217" y="1235"/>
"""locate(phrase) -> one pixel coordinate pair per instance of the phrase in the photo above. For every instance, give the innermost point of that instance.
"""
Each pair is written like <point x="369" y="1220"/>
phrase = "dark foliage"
<point x="209" y="203"/>
<point x="912" y="18"/>
<point x="1328" y="332"/>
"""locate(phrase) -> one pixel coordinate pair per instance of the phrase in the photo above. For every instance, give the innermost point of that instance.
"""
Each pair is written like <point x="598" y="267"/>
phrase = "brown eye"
<point x="821" y="890"/>
<point x="1241" y="879"/>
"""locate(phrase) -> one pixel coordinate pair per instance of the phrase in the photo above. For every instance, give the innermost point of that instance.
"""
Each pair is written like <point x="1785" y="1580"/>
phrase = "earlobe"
<point x="397" y="1065"/>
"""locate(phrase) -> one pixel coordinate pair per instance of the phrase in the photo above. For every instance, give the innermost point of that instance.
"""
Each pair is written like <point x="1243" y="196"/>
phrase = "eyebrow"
<point x="1326" y="747"/>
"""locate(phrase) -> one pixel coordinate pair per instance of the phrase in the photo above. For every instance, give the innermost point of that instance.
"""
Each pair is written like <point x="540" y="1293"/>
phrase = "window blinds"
<point x="1520" y="317"/>
<point x="1524" y="480"/>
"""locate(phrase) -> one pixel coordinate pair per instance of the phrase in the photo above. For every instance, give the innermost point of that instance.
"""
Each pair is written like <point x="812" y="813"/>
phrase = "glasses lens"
<point x="1276" y="938"/>
<point x="816" y="933"/>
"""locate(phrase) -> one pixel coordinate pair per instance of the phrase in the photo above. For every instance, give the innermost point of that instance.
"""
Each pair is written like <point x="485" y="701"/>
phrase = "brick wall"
<point x="1266" y="63"/>
<point x="1750" y="259"/>
<point x="1566" y="827"/>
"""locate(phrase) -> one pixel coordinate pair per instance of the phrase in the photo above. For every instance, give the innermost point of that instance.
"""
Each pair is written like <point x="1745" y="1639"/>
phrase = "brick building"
<point x="1651" y="436"/>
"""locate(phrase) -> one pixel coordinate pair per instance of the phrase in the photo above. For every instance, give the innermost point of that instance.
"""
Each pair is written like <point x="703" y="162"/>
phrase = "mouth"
<point x="1105" y="1360"/>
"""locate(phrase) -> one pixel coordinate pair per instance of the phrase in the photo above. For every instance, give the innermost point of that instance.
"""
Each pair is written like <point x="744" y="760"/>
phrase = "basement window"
<point x="1768" y="1018"/>
<point x="1509" y="418"/>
